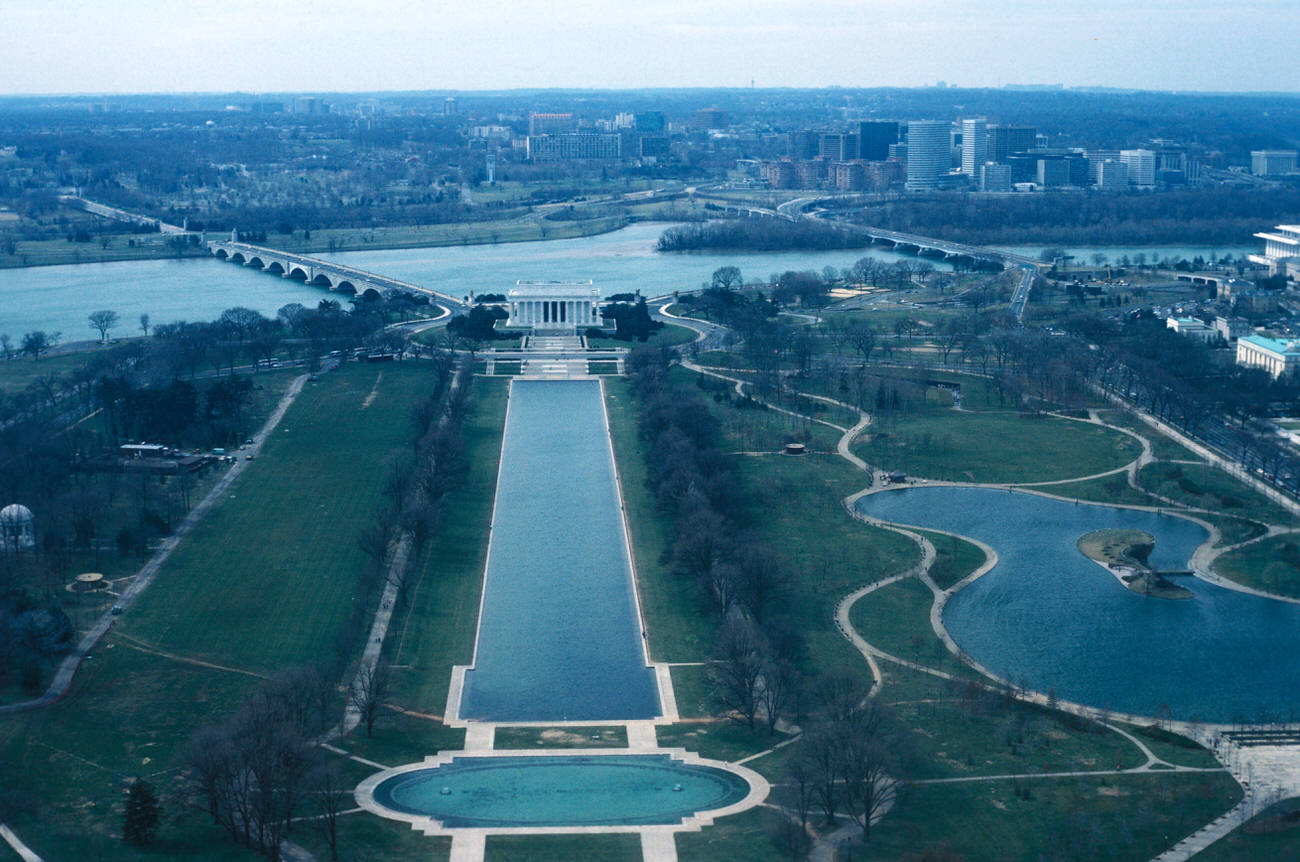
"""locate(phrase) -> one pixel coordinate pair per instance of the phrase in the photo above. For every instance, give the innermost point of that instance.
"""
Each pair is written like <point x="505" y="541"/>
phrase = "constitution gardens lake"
<point x="1051" y="620"/>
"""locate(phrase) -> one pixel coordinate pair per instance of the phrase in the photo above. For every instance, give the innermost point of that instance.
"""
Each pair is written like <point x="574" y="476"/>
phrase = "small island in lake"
<point x="1124" y="553"/>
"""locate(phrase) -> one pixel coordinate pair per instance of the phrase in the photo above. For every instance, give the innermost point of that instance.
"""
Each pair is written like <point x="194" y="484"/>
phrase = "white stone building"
<point x="1274" y="356"/>
<point x="17" y="527"/>
<point x="553" y="307"/>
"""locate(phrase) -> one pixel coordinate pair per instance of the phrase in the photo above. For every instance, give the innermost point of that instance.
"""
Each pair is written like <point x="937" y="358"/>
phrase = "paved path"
<point x="68" y="668"/>
<point x="24" y="852"/>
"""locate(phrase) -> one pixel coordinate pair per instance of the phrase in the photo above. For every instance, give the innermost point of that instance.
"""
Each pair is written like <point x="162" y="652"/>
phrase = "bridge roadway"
<point x="790" y="211"/>
<point x="322" y="273"/>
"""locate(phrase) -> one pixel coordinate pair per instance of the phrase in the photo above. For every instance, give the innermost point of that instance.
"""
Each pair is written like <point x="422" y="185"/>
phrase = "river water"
<point x="1048" y="618"/>
<point x="60" y="297"/>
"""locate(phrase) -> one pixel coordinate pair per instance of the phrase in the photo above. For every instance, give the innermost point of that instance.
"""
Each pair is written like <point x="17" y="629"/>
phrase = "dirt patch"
<point x="374" y="392"/>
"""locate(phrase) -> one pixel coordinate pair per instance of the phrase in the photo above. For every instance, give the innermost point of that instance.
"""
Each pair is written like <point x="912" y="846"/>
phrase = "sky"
<point x="145" y="46"/>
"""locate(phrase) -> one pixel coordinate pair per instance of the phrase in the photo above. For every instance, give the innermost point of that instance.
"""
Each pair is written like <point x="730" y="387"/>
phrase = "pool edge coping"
<point x="759" y="790"/>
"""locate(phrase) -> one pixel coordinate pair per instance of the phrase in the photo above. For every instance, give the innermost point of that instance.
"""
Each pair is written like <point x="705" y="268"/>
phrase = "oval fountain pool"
<point x="559" y="790"/>
<point x="1048" y="618"/>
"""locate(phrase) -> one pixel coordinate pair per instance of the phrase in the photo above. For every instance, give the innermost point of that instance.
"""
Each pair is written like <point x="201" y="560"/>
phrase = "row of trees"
<point x="739" y="579"/>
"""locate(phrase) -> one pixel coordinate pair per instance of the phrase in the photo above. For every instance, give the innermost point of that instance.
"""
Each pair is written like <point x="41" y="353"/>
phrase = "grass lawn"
<point x="954" y="558"/>
<point x="20" y="372"/>
<point x="265" y="600"/>
<point x="678" y="629"/>
<point x="1107" y="489"/>
<point x="563" y="848"/>
<point x="1162" y="447"/>
<point x="507" y="738"/>
<point x="1272" y="834"/>
<point x="747" y="836"/>
<point x="1271" y="564"/>
<point x="1170" y="747"/>
<point x="994" y="447"/>
<point x="276" y="597"/>
<point x="1112" y="817"/>
<point x="721" y="740"/>
<point x="1207" y="487"/>
<point x="669" y="335"/>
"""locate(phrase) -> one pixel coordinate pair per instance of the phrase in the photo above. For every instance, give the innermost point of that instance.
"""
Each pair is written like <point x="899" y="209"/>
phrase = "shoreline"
<point x="313" y="247"/>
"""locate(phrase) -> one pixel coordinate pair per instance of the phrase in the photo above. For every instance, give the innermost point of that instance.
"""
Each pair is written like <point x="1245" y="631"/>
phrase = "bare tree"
<point x="103" y="321"/>
<point x="144" y="324"/>
<point x="330" y="795"/>
<point x="367" y="692"/>
<point x="737" y="671"/>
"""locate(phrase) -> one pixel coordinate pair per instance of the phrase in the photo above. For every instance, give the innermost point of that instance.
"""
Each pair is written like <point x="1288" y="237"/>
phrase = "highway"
<point x="1021" y="295"/>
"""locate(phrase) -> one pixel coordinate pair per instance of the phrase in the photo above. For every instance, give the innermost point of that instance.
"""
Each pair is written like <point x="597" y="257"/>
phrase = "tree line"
<point x="757" y="234"/>
<point x="1211" y="216"/>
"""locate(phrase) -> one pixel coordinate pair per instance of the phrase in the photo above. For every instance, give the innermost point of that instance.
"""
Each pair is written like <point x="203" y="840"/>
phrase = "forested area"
<point x="760" y="234"/>
<point x="1206" y="216"/>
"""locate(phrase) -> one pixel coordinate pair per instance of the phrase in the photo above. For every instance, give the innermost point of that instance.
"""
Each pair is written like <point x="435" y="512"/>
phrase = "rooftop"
<point x="1289" y="348"/>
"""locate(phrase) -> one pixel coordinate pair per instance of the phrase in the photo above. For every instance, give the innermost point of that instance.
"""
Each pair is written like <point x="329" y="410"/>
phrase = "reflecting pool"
<point x="559" y="634"/>
<point x="1048" y="618"/>
<point x="563" y="790"/>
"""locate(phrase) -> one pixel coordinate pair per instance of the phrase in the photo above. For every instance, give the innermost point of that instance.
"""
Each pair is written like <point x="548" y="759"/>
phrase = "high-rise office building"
<point x="1272" y="163"/>
<point x="928" y="153"/>
<point x="650" y="121"/>
<point x="1004" y="141"/>
<point x="1112" y="176"/>
<point x="838" y="147"/>
<point x="874" y="138"/>
<point x="804" y="144"/>
<point x="1141" y="166"/>
<point x="974" y="145"/>
<point x="994" y="177"/>
<point x="549" y="124"/>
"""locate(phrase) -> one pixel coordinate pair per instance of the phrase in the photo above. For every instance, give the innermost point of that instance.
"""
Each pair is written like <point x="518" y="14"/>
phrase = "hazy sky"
<point x="80" y="46"/>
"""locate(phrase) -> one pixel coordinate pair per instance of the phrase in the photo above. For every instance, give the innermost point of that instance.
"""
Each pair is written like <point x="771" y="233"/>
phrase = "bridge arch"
<point x="276" y="267"/>
<point x="237" y="257"/>
<point x="220" y="254"/>
<point x="368" y="295"/>
<point x="255" y="261"/>
<point x="322" y="280"/>
<point x="297" y="274"/>
<point x="345" y="287"/>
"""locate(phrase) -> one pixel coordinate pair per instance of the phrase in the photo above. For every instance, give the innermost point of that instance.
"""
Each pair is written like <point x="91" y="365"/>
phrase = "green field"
<point x="668" y="336"/>
<point x="994" y="446"/>
<point x="1206" y="487"/>
<point x="1271" y="564"/>
<point x="1272" y="834"/>
<point x="265" y="582"/>
<point x="1117" y="817"/>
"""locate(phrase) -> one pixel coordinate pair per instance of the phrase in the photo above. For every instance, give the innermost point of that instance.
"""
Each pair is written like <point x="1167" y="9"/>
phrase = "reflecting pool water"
<point x="564" y="790"/>
<point x="1048" y="618"/>
<point x="559" y="634"/>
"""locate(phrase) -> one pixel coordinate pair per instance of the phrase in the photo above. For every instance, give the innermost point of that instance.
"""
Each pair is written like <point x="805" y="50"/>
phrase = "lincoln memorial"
<point x="554" y="307"/>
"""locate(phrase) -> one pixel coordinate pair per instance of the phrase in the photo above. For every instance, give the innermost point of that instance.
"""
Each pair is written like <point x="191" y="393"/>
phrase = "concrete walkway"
<point x="24" y="852"/>
<point x="62" y="680"/>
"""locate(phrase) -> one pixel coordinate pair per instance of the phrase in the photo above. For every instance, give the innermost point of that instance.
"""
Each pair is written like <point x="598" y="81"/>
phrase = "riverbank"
<point x="155" y="247"/>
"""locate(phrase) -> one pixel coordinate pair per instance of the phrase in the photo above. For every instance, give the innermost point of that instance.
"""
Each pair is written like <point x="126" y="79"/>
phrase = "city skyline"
<point x="143" y="46"/>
